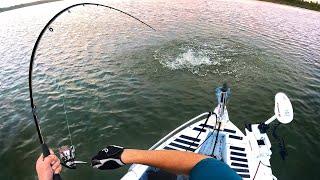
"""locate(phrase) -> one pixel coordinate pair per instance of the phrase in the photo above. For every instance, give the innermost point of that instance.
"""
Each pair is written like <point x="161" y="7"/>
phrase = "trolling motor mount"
<point x="283" y="112"/>
<point x="263" y="127"/>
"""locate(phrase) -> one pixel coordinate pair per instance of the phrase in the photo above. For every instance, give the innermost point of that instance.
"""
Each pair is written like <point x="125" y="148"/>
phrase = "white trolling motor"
<point x="283" y="112"/>
<point x="282" y="109"/>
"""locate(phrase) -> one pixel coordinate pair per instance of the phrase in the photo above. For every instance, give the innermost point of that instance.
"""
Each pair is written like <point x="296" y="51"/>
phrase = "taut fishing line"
<point x="67" y="153"/>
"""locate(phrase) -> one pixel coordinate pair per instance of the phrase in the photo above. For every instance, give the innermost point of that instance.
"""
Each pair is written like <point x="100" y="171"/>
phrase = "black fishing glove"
<point x="108" y="158"/>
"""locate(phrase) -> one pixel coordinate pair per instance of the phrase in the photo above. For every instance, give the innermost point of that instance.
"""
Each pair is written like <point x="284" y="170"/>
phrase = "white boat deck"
<point x="242" y="153"/>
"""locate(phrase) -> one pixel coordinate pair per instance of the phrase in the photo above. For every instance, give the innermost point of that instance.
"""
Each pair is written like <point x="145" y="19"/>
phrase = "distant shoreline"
<point x="26" y="5"/>
<point x="297" y="3"/>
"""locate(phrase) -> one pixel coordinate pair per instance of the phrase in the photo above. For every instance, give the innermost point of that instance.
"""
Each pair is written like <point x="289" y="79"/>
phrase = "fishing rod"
<point x="67" y="153"/>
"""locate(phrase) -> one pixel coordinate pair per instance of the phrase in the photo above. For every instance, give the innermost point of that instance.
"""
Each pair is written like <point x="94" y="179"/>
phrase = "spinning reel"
<point x="67" y="156"/>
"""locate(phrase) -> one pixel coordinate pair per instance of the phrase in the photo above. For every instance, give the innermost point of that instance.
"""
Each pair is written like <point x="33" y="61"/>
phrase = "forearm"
<point x="170" y="160"/>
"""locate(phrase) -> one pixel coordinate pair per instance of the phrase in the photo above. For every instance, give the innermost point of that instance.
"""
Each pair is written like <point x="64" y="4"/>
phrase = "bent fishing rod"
<point x="44" y="147"/>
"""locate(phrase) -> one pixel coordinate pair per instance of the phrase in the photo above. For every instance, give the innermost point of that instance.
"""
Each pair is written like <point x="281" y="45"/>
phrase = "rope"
<point x="216" y="139"/>
<point x="205" y="123"/>
<point x="214" y="128"/>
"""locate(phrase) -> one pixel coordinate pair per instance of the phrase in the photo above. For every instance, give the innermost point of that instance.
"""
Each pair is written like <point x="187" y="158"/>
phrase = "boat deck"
<point x="232" y="147"/>
<point x="236" y="154"/>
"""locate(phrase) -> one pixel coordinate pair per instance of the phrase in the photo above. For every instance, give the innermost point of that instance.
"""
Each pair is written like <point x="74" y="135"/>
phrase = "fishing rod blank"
<point x="44" y="147"/>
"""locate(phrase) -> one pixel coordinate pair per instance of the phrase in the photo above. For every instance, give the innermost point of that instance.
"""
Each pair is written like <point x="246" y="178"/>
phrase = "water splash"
<point x="195" y="61"/>
<point x="188" y="60"/>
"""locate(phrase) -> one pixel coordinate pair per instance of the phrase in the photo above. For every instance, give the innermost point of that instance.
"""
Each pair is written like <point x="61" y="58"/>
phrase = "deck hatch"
<point x="169" y="148"/>
<point x="206" y="125"/>
<point x="239" y="164"/>
<point x="190" y="138"/>
<point x="238" y="159"/>
<point x="211" y="127"/>
<point x="240" y="170"/>
<point x="182" y="147"/>
<point x="238" y="153"/>
<point x="186" y="142"/>
<point x="230" y="131"/>
<point x="237" y="148"/>
<point x="244" y="175"/>
<point x="199" y="129"/>
<point x="235" y="137"/>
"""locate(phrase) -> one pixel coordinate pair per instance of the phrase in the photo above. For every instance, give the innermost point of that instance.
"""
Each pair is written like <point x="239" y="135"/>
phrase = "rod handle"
<point x="46" y="152"/>
<point x="56" y="177"/>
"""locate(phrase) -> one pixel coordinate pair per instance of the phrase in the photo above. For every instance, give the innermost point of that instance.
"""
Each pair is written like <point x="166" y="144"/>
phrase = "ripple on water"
<point x="204" y="57"/>
<point x="124" y="84"/>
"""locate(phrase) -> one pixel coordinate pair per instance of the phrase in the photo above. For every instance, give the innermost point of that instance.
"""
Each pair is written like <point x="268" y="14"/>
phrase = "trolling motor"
<point x="283" y="112"/>
<point x="67" y="155"/>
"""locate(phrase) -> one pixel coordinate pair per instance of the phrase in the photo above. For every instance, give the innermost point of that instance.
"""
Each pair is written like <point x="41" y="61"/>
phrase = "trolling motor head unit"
<point x="283" y="112"/>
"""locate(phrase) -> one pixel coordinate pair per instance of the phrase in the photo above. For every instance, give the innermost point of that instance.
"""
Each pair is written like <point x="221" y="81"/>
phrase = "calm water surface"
<point x="125" y="84"/>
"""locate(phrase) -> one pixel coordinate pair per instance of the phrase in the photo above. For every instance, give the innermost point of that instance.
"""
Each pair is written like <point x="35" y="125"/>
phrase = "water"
<point x="125" y="84"/>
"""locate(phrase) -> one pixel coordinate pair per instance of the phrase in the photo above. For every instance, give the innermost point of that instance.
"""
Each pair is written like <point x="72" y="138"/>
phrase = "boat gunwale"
<point x="177" y="130"/>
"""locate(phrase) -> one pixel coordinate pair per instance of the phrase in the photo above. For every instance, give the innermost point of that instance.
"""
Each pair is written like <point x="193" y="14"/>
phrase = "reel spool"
<point x="67" y="156"/>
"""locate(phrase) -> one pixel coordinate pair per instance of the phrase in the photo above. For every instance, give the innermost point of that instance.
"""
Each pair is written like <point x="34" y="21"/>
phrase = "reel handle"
<point x="46" y="152"/>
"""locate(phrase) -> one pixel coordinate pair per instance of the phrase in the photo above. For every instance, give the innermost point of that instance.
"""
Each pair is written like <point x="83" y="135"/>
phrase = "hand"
<point x="48" y="166"/>
<point x="108" y="158"/>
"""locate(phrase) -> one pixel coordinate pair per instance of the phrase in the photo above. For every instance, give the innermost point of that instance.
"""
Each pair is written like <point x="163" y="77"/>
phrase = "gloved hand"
<point x="108" y="158"/>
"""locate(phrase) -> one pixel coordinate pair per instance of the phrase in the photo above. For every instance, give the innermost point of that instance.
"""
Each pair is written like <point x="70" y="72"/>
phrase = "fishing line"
<point x="205" y="123"/>
<point x="260" y="162"/>
<point x="65" y="113"/>
<point x="216" y="139"/>
<point x="214" y="128"/>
